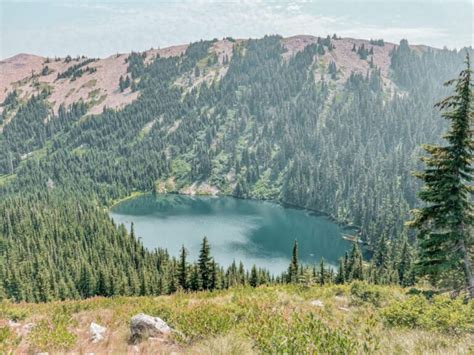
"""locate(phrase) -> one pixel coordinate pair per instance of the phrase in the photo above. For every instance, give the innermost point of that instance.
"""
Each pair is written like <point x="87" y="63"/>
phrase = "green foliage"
<point x="301" y="334"/>
<point x="205" y="320"/>
<point x="8" y="312"/>
<point x="266" y="127"/>
<point x="8" y="340"/>
<point x="274" y="319"/>
<point x="446" y="222"/>
<point x="363" y="292"/>
<point x="53" y="334"/>
<point x="441" y="313"/>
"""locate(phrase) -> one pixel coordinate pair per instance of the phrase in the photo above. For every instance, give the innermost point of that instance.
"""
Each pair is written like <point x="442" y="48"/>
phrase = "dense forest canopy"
<point x="269" y="128"/>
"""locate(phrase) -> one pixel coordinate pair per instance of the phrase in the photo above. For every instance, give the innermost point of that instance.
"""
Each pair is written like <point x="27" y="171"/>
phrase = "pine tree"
<point x="253" y="281"/>
<point x="445" y="223"/>
<point x="195" y="280"/>
<point x="322" y="273"/>
<point x="355" y="270"/>
<point x="340" y="277"/>
<point x="183" y="269"/>
<point x="121" y="84"/>
<point x="293" y="268"/>
<point x="405" y="265"/>
<point x="212" y="275"/>
<point x="204" y="264"/>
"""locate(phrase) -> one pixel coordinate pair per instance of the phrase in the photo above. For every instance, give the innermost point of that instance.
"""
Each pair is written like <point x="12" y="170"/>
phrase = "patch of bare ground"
<point x="347" y="61"/>
<point x="24" y="72"/>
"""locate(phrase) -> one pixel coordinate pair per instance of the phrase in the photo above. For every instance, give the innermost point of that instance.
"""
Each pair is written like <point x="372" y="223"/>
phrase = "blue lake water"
<point x="254" y="232"/>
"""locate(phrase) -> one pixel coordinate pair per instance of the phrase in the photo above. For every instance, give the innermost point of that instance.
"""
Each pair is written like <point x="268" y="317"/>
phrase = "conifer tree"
<point x="183" y="269"/>
<point x="322" y="273"/>
<point x="293" y="268"/>
<point x="355" y="270"/>
<point x="340" y="277"/>
<point x="121" y="84"/>
<point x="204" y="264"/>
<point x="405" y="266"/>
<point x="212" y="275"/>
<point x="253" y="281"/>
<point x="445" y="222"/>
<point x="195" y="281"/>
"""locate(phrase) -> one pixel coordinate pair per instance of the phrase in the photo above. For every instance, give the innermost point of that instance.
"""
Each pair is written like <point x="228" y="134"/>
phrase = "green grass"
<point x="357" y="318"/>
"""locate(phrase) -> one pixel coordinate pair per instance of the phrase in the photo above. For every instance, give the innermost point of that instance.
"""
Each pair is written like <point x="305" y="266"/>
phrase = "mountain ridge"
<point x="26" y="73"/>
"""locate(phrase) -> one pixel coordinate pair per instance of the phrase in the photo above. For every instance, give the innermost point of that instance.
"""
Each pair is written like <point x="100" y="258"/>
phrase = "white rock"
<point x="97" y="332"/>
<point x="143" y="326"/>
<point x="317" y="303"/>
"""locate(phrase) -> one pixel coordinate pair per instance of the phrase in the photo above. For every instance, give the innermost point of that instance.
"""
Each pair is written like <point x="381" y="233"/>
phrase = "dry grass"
<point x="278" y="319"/>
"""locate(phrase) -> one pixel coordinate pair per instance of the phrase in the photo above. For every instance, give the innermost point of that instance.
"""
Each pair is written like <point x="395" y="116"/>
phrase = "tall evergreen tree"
<point x="253" y="281"/>
<point x="340" y="277"/>
<point x="322" y="272"/>
<point x="445" y="223"/>
<point x="355" y="269"/>
<point x="204" y="264"/>
<point x="293" y="268"/>
<point x="183" y="269"/>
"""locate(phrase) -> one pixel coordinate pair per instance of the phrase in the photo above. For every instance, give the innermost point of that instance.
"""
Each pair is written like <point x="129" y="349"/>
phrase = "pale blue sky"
<point x="102" y="28"/>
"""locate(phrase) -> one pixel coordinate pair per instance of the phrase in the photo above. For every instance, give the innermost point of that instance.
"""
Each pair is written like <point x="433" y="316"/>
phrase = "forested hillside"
<point x="254" y="123"/>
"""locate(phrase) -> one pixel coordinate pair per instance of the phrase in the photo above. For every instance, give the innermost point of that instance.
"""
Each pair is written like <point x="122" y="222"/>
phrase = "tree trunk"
<point x="467" y="268"/>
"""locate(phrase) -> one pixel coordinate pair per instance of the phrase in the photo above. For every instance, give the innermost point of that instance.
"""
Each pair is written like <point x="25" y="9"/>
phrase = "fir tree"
<point x="405" y="267"/>
<point x="340" y="277"/>
<point x="322" y="273"/>
<point x="293" y="268"/>
<point x="195" y="280"/>
<point x="355" y="270"/>
<point x="253" y="281"/>
<point x="204" y="264"/>
<point x="121" y="84"/>
<point x="183" y="269"/>
<point x="445" y="223"/>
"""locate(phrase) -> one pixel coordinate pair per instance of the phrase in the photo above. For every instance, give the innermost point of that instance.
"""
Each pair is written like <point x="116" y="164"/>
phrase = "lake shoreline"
<point x="255" y="231"/>
<point x="317" y="213"/>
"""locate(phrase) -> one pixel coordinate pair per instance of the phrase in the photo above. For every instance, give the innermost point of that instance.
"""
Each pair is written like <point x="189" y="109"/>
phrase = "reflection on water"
<point x="254" y="232"/>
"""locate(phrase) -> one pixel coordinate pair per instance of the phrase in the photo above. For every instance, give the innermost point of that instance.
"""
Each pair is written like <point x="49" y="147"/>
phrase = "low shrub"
<point x="300" y="334"/>
<point x="441" y="314"/>
<point x="362" y="292"/>
<point x="53" y="334"/>
<point x="13" y="313"/>
<point x="8" y="340"/>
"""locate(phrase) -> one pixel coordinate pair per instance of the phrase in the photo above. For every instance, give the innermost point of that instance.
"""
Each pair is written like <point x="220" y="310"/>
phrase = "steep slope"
<point x="344" y="319"/>
<point x="323" y="123"/>
<point x="99" y="85"/>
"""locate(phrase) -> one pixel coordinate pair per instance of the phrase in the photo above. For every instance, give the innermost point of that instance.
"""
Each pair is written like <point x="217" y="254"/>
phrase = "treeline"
<point x="267" y="130"/>
<point x="267" y="124"/>
<point x="60" y="246"/>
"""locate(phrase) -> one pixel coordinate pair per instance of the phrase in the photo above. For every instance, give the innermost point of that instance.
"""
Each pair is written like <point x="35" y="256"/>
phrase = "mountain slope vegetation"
<point x="257" y="121"/>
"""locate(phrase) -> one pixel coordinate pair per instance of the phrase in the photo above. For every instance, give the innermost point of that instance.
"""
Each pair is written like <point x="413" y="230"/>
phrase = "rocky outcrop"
<point x="143" y="326"/>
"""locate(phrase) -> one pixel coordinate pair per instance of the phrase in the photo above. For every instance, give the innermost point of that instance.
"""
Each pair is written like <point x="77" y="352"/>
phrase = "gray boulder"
<point x="143" y="326"/>
<point x="97" y="332"/>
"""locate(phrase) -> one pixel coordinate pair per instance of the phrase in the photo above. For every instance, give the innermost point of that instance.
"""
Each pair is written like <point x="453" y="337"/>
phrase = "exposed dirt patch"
<point x="25" y="73"/>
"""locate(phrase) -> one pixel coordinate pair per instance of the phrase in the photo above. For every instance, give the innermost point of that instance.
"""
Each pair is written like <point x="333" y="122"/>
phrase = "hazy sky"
<point x="102" y="28"/>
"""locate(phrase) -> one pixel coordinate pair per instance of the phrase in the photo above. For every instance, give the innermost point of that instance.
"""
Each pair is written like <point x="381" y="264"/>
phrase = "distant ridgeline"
<point x="263" y="128"/>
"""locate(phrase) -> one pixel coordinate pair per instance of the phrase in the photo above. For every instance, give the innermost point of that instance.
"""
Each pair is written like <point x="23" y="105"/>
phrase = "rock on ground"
<point x="97" y="332"/>
<point x="143" y="326"/>
<point x="317" y="303"/>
